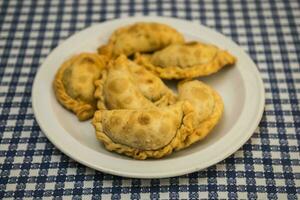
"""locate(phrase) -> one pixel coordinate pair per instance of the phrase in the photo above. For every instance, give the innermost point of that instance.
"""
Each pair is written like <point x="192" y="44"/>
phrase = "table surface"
<point x="267" y="166"/>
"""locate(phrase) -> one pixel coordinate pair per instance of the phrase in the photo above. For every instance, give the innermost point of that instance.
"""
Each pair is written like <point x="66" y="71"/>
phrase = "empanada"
<point x="208" y="107"/>
<point x="148" y="133"/>
<point x="140" y="37"/>
<point x="74" y="83"/>
<point x="124" y="85"/>
<point x="188" y="60"/>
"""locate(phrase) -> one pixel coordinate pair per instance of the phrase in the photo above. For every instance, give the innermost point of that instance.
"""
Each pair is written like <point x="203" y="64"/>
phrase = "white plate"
<point x="240" y="87"/>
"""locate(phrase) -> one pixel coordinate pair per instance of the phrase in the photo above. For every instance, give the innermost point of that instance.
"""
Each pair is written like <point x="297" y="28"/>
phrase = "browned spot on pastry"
<point x="119" y="104"/>
<point x="147" y="36"/>
<point x="87" y="61"/>
<point x="144" y="119"/>
<point x="193" y="43"/>
<point x="118" y="85"/>
<point x="149" y="81"/>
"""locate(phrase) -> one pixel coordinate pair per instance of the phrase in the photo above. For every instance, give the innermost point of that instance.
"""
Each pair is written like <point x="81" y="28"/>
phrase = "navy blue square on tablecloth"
<point x="267" y="166"/>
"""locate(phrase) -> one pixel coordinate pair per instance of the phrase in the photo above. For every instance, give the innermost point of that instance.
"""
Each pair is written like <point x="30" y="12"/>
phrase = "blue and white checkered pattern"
<point x="267" y="166"/>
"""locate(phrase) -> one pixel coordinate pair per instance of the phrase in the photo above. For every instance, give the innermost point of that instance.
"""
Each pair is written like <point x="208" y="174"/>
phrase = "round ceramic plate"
<point x="240" y="86"/>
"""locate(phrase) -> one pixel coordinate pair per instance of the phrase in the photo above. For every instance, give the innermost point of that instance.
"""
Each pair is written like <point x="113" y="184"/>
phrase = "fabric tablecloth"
<point x="267" y="166"/>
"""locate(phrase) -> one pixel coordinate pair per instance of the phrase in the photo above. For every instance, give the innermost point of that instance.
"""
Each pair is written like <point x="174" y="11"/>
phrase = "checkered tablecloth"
<point x="267" y="166"/>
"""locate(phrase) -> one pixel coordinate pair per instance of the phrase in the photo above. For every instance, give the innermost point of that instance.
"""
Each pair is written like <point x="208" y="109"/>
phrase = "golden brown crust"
<point x="220" y="60"/>
<point x="82" y="109"/>
<point x="140" y="37"/>
<point x="181" y="134"/>
<point x="106" y="50"/>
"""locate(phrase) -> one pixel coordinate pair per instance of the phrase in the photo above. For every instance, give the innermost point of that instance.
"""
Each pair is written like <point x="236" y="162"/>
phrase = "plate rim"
<point x="171" y="173"/>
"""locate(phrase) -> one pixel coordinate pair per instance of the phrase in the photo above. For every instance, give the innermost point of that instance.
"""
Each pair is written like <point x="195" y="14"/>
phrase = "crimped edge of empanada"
<point x="106" y="50"/>
<point x="99" y="93"/>
<point x="205" y="127"/>
<point x="222" y="59"/>
<point x="167" y="99"/>
<point x="83" y="110"/>
<point x="183" y="132"/>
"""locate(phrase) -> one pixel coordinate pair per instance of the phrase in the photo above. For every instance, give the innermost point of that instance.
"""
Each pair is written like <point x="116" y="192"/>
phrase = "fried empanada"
<point x="148" y="133"/>
<point x="124" y="85"/>
<point x="140" y="37"/>
<point x="74" y="83"/>
<point x="189" y="60"/>
<point x="208" y="107"/>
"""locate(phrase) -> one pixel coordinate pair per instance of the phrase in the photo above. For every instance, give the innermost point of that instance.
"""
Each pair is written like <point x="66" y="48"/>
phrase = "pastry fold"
<point x="74" y="83"/>
<point x="189" y="60"/>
